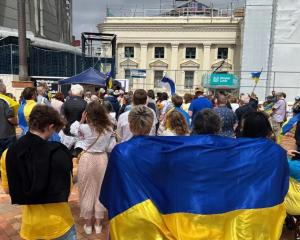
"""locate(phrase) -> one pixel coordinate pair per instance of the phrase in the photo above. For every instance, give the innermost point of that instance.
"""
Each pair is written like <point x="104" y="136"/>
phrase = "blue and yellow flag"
<point x="198" y="187"/>
<point x="109" y="80"/>
<point x="256" y="76"/>
<point x="292" y="200"/>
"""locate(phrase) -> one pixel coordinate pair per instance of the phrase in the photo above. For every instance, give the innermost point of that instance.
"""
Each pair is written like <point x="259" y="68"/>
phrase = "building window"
<point x="128" y="76"/>
<point x="189" y="79"/>
<point x="158" y="75"/>
<point x="190" y="52"/>
<point x="129" y="52"/>
<point x="222" y="53"/>
<point x="159" y="52"/>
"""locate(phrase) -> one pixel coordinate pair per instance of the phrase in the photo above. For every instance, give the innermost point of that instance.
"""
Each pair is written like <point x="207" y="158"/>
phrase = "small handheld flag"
<point x="256" y="76"/>
<point x="109" y="81"/>
<point x="171" y="83"/>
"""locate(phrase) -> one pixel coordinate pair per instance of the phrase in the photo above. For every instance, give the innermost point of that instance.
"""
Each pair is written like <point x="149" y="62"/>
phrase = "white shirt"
<point x="86" y="136"/>
<point x="234" y="106"/>
<point x="56" y="104"/>
<point x="123" y="129"/>
<point x="166" y="105"/>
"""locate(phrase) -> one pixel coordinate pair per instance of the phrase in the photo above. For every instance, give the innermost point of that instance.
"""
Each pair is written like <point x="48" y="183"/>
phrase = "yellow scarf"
<point x="12" y="103"/>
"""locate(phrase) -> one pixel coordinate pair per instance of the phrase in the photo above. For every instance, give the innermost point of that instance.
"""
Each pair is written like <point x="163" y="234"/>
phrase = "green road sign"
<point x="222" y="79"/>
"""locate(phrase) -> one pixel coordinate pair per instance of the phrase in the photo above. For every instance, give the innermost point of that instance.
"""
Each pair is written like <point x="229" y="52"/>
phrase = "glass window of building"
<point x="222" y="53"/>
<point x="128" y="76"/>
<point x="129" y="52"/>
<point x="189" y="79"/>
<point x="158" y="75"/>
<point x="190" y="52"/>
<point x="159" y="52"/>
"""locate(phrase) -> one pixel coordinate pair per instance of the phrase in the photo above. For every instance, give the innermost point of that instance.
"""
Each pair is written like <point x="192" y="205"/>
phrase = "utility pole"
<point x="23" y="67"/>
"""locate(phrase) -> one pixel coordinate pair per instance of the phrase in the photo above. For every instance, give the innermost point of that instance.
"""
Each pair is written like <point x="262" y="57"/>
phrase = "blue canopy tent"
<point x="87" y="77"/>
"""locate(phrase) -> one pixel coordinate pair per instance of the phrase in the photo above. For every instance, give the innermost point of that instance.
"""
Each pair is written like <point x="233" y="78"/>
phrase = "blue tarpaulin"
<point x="89" y="77"/>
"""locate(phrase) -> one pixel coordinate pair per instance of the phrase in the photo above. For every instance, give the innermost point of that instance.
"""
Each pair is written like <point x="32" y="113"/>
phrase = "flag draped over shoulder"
<point x="290" y="124"/>
<point x="171" y="83"/>
<point x="198" y="187"/>
<point x="292" y="200"/>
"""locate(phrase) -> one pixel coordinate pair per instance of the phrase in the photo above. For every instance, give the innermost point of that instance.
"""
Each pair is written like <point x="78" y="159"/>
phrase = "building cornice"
<point x="183" y="41"/>
<point x="166" y="28"/>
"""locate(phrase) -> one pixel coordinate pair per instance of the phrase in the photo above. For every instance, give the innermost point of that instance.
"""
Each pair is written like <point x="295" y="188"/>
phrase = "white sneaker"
<point x="87" y="229"/>
<point x="98" y="229"/>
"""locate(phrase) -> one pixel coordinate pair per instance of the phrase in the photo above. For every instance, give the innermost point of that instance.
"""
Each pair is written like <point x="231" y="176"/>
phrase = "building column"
<point x="206" y="57"/>
<point x="231" y="55"/>
<point x="120" y="57"/>
<point x="144" y="56"/>
<point x="174" y="61"/>
<point x="143" y="62"/>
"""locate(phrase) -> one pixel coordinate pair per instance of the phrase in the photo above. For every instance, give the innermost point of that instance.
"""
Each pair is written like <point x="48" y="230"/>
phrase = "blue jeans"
<point x="70" y="235"/>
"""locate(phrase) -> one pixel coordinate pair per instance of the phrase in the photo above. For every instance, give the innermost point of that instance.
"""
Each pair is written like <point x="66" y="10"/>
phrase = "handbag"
<point x="84" y="151"/>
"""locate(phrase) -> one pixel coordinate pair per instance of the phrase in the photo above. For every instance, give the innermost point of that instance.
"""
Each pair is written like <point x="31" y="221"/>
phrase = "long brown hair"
<point x="176" y="122"/>
<point x="98" y="118"/>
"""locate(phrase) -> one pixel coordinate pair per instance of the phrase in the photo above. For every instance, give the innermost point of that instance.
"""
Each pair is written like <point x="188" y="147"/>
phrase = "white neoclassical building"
<point x="185" y="47"/>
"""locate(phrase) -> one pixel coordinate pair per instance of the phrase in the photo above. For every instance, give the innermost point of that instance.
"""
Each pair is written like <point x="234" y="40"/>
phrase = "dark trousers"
<point x="6" y="143"/>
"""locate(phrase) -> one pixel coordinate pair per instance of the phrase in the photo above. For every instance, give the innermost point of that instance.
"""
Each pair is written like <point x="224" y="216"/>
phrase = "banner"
<point x="138" y="73"/>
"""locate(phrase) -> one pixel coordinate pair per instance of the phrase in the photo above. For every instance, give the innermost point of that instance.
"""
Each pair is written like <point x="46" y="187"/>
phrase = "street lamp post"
<point x="23" y="67"/>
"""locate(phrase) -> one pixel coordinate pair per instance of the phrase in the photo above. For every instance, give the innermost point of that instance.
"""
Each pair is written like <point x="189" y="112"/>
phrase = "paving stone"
<point x="10" y="216"/>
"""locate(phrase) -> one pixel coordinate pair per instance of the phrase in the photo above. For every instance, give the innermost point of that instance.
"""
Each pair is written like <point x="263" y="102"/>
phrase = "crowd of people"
<point x="86" y="126"/>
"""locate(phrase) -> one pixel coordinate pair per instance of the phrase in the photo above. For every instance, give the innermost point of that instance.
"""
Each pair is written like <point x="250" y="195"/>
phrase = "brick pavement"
<point x="10" y="216"/>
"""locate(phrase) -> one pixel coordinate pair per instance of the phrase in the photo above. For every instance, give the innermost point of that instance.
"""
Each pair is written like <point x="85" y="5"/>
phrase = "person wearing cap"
<point x="198" y="104"/>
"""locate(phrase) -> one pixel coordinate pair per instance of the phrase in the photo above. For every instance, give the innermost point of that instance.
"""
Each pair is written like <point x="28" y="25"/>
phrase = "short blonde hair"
<point x="140" y="120"/>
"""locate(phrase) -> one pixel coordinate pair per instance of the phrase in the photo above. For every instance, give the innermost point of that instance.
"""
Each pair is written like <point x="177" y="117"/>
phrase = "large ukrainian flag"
<point x="200" y="187"/>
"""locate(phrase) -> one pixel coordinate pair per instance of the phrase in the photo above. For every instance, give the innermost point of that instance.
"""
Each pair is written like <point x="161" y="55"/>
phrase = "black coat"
<point x="114" y="102"/>
<point x="38" y="171"/>
<point x="72" y="110"/>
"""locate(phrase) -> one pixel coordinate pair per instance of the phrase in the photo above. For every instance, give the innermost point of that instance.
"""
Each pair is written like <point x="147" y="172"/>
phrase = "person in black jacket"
<point x="37" y="174"/>
<point x="72" y="111"/>
<point x="247" y="105"/>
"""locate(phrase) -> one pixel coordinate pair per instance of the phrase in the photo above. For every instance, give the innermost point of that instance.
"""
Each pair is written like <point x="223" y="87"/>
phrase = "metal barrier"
<point x="51" y="63"/>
